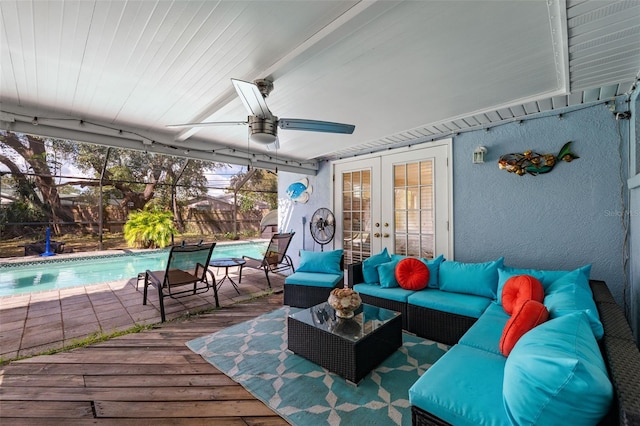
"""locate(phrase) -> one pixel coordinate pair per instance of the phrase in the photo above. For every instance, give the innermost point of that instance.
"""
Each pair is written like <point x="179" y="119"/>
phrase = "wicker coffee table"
<point x="350" y="348"/>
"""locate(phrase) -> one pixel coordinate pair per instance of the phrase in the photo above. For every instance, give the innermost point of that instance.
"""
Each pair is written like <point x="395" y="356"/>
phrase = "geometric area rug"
<point x="254" y="354"/>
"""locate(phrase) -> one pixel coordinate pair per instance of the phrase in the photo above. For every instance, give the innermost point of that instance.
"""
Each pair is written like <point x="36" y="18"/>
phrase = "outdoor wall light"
<point x="478" y="155"/>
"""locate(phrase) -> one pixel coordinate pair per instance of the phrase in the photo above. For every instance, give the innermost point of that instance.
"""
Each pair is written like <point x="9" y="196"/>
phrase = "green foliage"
<point x="262" y="186"/>
<point x="149" y="228"/>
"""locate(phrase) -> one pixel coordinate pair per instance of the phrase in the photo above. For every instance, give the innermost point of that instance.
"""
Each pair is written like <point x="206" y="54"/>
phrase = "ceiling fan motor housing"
<point x="263" y="130"/>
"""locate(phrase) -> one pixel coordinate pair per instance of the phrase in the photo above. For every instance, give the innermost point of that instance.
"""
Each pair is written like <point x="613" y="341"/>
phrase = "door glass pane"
<point x="413" y="206"/>
<point x="399" y="175"/>
<point x="356" y="196"/>
<point x="413" y="174"/>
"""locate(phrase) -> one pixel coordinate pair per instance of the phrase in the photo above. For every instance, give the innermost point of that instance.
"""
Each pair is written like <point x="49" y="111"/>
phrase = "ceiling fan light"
<point x="263" y="138"/>
<point x="262" y="130"/>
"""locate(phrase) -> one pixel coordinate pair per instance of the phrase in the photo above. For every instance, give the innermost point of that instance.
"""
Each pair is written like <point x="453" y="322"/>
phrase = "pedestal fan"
<point x="322" y="226"/>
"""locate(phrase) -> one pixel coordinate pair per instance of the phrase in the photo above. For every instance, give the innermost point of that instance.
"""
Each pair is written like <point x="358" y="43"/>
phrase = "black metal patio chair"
<point x="186" y="274"/>
<point x="275" y="258"/>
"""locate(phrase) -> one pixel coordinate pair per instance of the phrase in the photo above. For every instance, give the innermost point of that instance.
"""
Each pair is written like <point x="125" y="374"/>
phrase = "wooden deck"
<point x="148" y="378"/>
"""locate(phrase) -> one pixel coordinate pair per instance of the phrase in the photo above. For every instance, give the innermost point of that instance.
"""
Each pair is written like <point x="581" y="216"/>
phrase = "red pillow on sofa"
<point x="412" y="274"/>
<point x="530" y="314"/>
<point x="519" y="289"/>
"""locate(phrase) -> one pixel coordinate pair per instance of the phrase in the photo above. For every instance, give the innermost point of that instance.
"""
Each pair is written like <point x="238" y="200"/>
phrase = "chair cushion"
<point x="412" y="274"/>
<point x="518" y="289"/>
<point x="485" y="333"/>
<point x="480" y="279"/>
<point x="528" y="315"/>
<point x="572" y="293"/>
<point x="369" y="270"/>
<point x="467" y="305"/>
<point x="397" y="294"/>
<point x="327" y="262"/>
<point x="557" y="370"/>
<point x="313" y="279"/>
<point x="464" y="388"/>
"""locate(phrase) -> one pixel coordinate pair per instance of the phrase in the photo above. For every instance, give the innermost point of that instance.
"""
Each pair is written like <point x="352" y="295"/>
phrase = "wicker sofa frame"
<point x="618" y="348"/>
<point x="304" y="296"/>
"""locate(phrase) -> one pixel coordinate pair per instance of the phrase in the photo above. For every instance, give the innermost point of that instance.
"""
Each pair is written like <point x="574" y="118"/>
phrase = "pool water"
<point x="55" y="273"/>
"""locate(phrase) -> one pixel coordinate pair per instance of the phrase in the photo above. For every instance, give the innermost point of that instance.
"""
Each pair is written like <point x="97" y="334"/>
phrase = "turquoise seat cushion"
<point x="546" y="277"/>
<point x="486" y="332"/>
<point x="326" y="262"/>
<point x="480" y="279"/>
<point x="397" y="294"/>
<point x="555" y="375"/>
<point x="463" y="388"/>
<point x="572" y="293"/>
<point x="369" y="270"/>
<point x="456" y="303"/>
<point x="313" y="279"/>
<point x="387" y="270"/>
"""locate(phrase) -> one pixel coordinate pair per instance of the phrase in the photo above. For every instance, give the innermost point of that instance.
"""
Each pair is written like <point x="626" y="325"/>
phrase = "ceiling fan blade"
<point x="209" y="123"/>
<point x="252" y="99"/>
<point x="315" y="126"/>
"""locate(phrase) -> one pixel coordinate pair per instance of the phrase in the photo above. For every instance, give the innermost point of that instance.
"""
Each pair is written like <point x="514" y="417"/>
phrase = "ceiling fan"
<point x="263" y="125"/>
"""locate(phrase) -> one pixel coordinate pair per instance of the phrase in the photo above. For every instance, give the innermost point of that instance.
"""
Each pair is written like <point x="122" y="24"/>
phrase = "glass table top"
<point x="367" y="319"/>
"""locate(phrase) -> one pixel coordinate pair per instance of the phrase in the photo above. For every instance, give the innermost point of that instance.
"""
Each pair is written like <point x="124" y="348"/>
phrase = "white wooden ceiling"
<point x="118" y="72"/>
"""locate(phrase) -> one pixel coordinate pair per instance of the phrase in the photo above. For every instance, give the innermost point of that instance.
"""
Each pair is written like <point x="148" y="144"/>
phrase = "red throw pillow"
<point x="519" y="289"/>
<point x="412" y="274"/>
<point x="529" y="315"/>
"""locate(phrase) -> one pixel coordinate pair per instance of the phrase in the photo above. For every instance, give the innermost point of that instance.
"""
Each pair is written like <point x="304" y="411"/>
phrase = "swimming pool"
<point x="61" y="272"/>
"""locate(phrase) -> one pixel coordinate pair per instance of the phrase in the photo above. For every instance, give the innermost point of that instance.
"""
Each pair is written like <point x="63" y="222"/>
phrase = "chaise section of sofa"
<point x="434" y="403"/>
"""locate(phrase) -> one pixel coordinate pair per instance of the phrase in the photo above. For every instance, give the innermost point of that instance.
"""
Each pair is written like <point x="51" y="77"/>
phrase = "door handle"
<point x="377" y="235"/>
<point x="385" y="235"/>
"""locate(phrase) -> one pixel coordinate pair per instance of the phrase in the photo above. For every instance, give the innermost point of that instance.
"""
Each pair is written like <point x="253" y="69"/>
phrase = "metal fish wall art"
<point x="532" y="163"/>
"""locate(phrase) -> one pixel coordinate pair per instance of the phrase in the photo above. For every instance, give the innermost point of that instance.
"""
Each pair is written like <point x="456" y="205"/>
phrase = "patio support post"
<point x="104" y="169"/>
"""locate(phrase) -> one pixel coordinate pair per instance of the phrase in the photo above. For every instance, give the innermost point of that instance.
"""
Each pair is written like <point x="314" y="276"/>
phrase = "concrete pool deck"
<point x="37" y="322"/>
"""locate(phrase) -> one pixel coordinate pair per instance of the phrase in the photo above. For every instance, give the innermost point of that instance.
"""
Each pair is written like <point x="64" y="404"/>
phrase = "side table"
<point x="227" y="263"/>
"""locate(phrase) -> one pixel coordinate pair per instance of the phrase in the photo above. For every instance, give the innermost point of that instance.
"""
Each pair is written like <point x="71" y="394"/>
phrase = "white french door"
<point x="400" y="200"/>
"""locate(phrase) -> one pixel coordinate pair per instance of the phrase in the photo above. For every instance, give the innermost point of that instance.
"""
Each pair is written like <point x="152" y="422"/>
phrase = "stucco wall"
<point x="560" y="220"/>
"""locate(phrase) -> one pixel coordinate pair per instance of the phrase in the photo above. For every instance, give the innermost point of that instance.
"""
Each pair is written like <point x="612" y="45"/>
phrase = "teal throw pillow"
<point x="554" y="370"/>
<point x="327" y="262"/>
<point x="434" y="270"/>
<point x="480" y="279"/>
<point x="546" y="277"/>
<point x="572" y="293"/>
<point x="387" y="273"/>
<point x="369" y="270"/>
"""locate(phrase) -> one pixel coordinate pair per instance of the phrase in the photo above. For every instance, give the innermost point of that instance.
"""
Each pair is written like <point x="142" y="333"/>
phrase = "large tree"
<point x="38" y="165"/>
<point x="134" y="178"/>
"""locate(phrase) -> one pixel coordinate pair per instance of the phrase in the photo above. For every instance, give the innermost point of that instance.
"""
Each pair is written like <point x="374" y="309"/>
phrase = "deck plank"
<point x="148" y="378"/>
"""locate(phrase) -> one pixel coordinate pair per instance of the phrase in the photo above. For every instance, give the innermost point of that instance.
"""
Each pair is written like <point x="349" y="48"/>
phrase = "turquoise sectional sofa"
<point x="581" y="366"/>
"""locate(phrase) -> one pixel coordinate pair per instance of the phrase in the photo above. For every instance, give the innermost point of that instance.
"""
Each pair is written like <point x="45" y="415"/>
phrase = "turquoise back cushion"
<point x="480" y="279"/>
<point x="572" y="293"/>
<point x="387" y="274"/>
<point x="327" y="262"/>
<point x="556" y="370"/>
<point x="546" y="277"/>
<point x="369" y="270"/>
